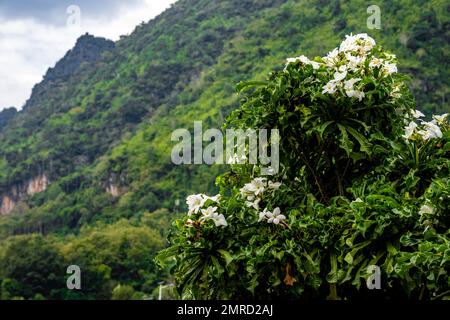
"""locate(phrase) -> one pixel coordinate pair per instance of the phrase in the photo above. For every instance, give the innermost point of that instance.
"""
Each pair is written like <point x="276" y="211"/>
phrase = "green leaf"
<point x="366" y="127"/>
<point x="246" y="85"/>
<point x="446" y="147"/>
<point x="226" y="256"/>
<point x="321" y="129"/>
<point x="164" y="255"/>
<point x="365" y="145"/>
<point x="218" y="268"/>
<point x="345" y="144"/>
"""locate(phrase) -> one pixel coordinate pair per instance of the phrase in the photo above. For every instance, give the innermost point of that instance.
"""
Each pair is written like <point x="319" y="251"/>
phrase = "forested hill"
<point x="88" y="158"/>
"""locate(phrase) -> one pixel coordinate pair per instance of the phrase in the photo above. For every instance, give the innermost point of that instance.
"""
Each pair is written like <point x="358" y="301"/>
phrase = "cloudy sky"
<point x="35" y="34"/>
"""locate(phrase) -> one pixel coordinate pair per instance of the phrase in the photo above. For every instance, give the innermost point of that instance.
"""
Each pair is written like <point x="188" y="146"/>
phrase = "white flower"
<point x="349" y="44"/>
<point x="426" y="209"/>
<point x="276" y="217"/>
<point x="354" y="61"/>
<point x="247" y="192"/>
<point x="426" y="135"/>
<point x="360" y="42"/>
<point x="441" y="119"/>
<point x="215" y="198"/>
<point x="409" y="130"/>
<point x="209" y="212"/>
<point x="375" y="62"/>
<point x="350" y="91"/>
<point x="431" y="131"/>
<point x="274" y="185"/>
<point x="395" y="93"/>
<point x="290" y="60"/>
<point x="338" y="76"/>
<point x="254" y="188"/>
<point x="315" y="65"/>
<point x="219" y="219"/>
<point x="195" y="202"/>
<point x="331" y="59"/>
<point x="417" y="114"/>
<point x="342" y="68"/>
<point x="330" y="87"/>
<point x="348" y="85"/>
<point x="303" y="59"/>
<point x="258" y="185"/>
<point x="355" y="94"/>
<point x="253" y="204"/>
<point x="368" y="43"/>
<point x="360" y="95"/>
<point x="264" y="214"/>
<point x="333" y="54"/>
<point x="389" y="68"/>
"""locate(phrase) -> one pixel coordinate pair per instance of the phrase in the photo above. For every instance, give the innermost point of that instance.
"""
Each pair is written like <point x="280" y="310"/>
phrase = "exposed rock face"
<point x="19" y="192"/>
<point x="7" y="205"/>
<point x="113" y="185"/>
<point x="38" y="184"/>
<point x="113" y="190"/>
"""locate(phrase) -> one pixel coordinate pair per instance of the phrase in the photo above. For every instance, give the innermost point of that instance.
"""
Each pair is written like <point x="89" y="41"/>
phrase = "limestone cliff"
<point x="18" y="193"/>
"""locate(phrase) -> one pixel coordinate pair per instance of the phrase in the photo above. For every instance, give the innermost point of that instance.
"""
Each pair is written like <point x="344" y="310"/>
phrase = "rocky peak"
<point x="87" y="49"/>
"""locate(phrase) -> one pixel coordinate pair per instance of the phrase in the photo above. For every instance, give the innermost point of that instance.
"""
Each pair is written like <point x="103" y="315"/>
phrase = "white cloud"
<point x="28" y="47"/>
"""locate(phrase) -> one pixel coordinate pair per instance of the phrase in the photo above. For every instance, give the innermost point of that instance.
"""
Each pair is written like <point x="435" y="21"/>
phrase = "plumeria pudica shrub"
<point x="364" y="182"/>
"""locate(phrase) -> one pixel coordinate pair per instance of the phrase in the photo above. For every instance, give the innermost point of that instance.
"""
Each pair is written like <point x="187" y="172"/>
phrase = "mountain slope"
<point x="82" y="116"/>
<point x="93" y="146"/>
<point x="7" y="115"/>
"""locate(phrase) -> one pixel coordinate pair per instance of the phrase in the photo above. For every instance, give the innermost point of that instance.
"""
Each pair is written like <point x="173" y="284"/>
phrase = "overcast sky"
<point x="35" y="34"/>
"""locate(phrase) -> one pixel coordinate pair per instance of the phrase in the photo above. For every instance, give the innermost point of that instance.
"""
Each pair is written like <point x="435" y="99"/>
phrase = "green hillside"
<point x="93" y="141"/>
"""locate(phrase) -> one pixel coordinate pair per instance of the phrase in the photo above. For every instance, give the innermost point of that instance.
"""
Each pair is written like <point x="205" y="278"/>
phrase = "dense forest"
<point x="86" y="176"/>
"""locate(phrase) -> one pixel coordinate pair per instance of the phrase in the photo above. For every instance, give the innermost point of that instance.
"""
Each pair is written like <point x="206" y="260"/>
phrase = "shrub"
<point x="356" y="188"/>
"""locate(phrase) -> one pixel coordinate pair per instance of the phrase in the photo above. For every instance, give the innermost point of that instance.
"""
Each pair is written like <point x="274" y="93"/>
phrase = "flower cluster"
<point x="304" y="59"/>
<point x="254" y="190"/>
<point x="274" y="217"/>
<point x="424" y="130"/>
<point x="253" y="193"/>
<point x="196" y="204"/>
<point x="349" y="63"/>
<point x="426" y="209"/>
<point x="427" y="212"/>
